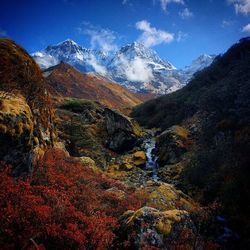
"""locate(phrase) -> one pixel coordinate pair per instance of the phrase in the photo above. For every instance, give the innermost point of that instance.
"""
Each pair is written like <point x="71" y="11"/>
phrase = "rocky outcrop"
<point x="150" y="227"/>
<point x="165" y="197"/>
<point x="16" y="132"/>
<point x="81" y="127"/>
<point x="26" y="114"/>
<point x="171" y="145"/>
<point x="123" y="132"/>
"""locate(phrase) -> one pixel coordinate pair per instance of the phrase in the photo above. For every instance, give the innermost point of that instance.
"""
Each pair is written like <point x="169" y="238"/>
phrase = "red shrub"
<point x="64" y="206"/>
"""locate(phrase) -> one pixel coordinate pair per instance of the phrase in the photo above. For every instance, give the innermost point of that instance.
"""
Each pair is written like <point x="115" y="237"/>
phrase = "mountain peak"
<point x="204" y="59"/>
<point x="68" y="42"/>
<point x="136" y="47"/>
<point x="205" y="56"/>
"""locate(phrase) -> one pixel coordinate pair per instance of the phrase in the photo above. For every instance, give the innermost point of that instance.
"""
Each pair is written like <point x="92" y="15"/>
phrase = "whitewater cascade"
<point x="151" y="163"/>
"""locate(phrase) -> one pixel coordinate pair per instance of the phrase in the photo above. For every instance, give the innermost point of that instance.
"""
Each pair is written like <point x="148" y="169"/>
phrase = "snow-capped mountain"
<point x="198" y="64"/>
<point x="86" y="60"/>
<point x="134" y="66"/>
<point x="141" y="69"/>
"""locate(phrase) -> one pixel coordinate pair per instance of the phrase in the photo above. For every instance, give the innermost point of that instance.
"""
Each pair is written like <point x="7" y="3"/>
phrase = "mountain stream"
<point x="151" y="163"/>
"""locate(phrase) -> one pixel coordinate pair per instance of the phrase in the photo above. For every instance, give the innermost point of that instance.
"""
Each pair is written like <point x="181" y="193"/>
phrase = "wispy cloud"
<point x="151" y="36"/>
<point x="165" y="3"/>
<point x="100" y="38"/>
<point x="97" y="67"/>
<point x="185" y="13"/>
<point x="181" y="36"/>
<point x="126" y="2"/>
<point x="227" y="23"/>
<point x="241" y="6"/>
<point x="246" y="28"/>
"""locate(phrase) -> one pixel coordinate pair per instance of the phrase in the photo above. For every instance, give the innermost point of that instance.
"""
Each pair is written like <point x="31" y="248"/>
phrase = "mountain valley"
<point x="101" y="156"/>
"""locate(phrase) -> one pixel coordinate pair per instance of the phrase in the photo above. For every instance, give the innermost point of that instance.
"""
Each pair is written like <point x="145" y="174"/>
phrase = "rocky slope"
<point x="208" y="155"/>
<point x="66" y="81"/>
<point x="26" y="114"/>
<point x="89" y="129"/>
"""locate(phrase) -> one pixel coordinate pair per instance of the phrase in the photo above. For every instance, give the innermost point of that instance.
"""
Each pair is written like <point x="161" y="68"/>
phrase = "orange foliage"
<point x="64" y="206"/>
<point x="66" y="81"/>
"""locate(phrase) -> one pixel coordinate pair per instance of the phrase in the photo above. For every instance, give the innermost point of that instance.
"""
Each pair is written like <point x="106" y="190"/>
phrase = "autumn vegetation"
<point x="65" y="205"/>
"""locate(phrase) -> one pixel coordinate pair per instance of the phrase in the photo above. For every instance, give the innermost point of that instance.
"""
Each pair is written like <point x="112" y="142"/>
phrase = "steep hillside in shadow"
<point x="213" y="151"/>
<point x="215" y="89"/>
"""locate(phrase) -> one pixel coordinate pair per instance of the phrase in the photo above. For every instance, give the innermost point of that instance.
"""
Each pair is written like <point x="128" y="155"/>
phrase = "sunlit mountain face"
<point x="124" y="124"/>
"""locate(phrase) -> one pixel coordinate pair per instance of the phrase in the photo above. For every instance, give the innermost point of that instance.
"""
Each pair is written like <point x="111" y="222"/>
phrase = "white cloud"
<point x="151" y="36"/>
<point x="246" y="28"/>
<point x="241" y="6"/>
<point x="185" y="13"/>
<point x="100" y="38"/>
<point x="136" y="70"/>
<point x="181" y="36"/>
<point x="139" y="71"/>
<point x="165" y="3"/>
<point x="97" y="67"/>
<point x="45" y="61"/>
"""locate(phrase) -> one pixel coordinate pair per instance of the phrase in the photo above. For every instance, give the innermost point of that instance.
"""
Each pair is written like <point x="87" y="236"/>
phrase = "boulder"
<point x="123" y="132"/>
<point x="171" y="145"/>
<point x="149" y="227"/>
<point x="139" y="158"/>
<point x="87" y="161"/>
<point x="165" y="197"/>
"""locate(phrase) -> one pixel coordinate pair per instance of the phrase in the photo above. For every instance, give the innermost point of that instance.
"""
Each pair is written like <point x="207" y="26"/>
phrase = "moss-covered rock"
<point x="150" y="227"/>
<point x="87" y="161"/>
<point x="16" y="131"/>
<point x="26" y="119"/>
<point x="139" y="158"/>
<point x="165" y="196"/>
<point x="81" y="126"/>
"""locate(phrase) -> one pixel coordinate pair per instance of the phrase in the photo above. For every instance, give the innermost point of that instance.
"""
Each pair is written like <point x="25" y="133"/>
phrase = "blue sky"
<point x="179" y="30"/>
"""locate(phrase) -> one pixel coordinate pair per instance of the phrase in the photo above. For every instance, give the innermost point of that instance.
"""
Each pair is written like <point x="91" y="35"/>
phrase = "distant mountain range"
<point x="134" y="66"/>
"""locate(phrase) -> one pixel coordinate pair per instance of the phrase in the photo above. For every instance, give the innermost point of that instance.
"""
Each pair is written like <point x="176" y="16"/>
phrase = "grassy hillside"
<point x="66" y="81"/>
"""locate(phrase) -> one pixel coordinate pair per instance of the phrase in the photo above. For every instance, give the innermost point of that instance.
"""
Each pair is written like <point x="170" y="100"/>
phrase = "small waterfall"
<point x="151" y="163"/>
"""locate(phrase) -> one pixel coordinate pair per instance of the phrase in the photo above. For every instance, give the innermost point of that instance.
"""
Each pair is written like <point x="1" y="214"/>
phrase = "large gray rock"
<point x="123" y="132"/>
<point x="171" y="145"/>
